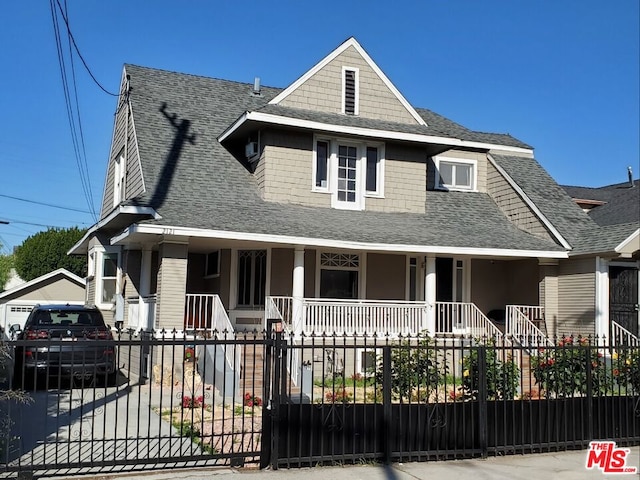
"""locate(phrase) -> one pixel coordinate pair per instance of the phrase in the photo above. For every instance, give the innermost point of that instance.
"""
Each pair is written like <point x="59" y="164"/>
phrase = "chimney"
<point x="630" y="175"/>
<point x="256" y="86"/>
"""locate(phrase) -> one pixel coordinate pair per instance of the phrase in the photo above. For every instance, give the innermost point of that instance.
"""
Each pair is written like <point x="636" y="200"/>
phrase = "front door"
<point x="623" y="297"/>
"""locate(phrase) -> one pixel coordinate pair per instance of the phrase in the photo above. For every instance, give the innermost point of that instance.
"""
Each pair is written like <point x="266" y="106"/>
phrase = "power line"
<point x="81" y="160"/>
<point x="45" y="204"/>
<point x="80" y="55"/>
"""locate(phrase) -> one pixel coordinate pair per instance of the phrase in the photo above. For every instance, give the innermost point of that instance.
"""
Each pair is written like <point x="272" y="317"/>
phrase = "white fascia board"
<point x="530" y="203"/>
<point x="634" y="237"/>
<point x="362" y="132"/>
<point x="331" y="243"/>
<point x="121" y="209"/>
<point x="43" y="278"/>
<point x="351" y="42"/>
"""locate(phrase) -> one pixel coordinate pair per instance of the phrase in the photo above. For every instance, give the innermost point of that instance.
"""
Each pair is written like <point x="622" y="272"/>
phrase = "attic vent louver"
<point x="350" y="92"/>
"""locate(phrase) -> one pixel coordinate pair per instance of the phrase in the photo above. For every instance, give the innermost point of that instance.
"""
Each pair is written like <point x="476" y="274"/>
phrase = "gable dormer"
<point x="348" y="82"/>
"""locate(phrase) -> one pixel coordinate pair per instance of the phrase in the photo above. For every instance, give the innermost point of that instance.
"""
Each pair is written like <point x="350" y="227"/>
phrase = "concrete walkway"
<point x="546" y="466"/>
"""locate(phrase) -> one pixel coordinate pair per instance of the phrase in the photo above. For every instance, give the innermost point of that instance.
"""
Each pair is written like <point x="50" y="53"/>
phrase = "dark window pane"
<point x="338" y="283"/>
<point x="110" y="265"/>
<point x="322" y="150"/>
<point x="372" y="169"/>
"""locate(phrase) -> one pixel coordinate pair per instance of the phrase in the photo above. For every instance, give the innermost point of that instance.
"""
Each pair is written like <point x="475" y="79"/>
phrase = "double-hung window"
<point x="349" y="171"/>
<point x="105" y="264"/>
<point x="455" y="173"/>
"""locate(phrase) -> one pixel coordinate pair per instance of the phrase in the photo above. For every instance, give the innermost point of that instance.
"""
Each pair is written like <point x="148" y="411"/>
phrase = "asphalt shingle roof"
<point x="554" y="203"/>
<point x="193" y="181"/>
<point x="623" y="202"/>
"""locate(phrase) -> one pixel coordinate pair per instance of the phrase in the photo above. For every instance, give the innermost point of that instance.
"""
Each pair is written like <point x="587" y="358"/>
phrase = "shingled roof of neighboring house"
<point x="193" y="181"/>
<point x="553" y="202"/>
<point x="622" y="202"/>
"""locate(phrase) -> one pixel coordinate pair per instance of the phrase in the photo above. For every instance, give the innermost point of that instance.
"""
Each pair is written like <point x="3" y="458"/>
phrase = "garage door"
<point x="17" y="313"/>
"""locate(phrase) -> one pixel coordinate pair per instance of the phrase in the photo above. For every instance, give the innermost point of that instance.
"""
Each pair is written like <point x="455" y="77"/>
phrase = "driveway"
<point x="92" y="427"/>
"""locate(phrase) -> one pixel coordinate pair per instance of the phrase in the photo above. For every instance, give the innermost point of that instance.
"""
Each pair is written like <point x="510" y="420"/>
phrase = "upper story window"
<point x="119" y="172"/>
<point x="348" y="170"/>
<point x="350" y="91"/>
<point x="455" y="173"/>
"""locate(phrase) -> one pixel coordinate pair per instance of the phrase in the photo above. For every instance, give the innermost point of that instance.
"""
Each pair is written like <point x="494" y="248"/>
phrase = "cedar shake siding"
<point x="323" y="91"/>
<point x="513" y="206"/>
<point x="285" y="171"/>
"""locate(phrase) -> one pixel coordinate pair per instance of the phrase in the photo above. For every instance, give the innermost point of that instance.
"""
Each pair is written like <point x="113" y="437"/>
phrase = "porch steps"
<point x="252" y="375"/>
<point x="528" y="385"/>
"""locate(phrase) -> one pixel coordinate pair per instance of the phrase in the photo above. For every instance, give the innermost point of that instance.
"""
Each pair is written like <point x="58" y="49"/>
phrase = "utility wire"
<point x="73" y="119"/>
<point x="80" y="55"/>
<point x="45" y="204"/>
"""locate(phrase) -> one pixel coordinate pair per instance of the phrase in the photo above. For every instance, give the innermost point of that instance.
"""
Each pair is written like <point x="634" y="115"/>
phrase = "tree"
<point x="6" y="264"/>
<point x="47" y="251"/>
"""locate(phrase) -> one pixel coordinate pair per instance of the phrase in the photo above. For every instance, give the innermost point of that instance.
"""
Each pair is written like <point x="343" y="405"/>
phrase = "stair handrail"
<point x="272" y="311"/>
<point x="622" y="336"/>
<point x="522" y="329"/>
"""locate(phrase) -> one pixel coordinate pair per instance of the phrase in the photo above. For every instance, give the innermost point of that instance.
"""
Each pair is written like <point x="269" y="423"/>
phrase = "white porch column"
<point x="145" y="321"/>
<point x="602" y="301"/>
<point x="430" y="293"/>
<point x="298" y="290"/>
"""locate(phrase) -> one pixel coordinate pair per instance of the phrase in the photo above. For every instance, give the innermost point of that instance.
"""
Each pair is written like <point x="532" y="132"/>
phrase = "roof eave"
<point x="267" y="118"/>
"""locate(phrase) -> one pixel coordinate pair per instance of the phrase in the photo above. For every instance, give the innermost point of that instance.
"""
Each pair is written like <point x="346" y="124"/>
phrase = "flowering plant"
<point x="252" y="400"/>
<point x="192" y="402"/>
<point x="339" y="395"/>
<point x="563" y="371"/>
<point x="626" y="368"/>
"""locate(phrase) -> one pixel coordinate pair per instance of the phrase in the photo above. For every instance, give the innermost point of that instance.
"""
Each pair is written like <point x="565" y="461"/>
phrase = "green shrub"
<point x="561" y="371"/>
<point x="416" y="369"/>
<point x="626" y="369"/>
<point x="502" y="377"/>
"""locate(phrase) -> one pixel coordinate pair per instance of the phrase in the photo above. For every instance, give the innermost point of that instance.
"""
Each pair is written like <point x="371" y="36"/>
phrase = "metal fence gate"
<point x="177" y="401"/>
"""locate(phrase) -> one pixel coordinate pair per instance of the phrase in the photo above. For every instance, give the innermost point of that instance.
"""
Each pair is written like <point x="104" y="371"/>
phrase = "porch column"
<point x="602" y="301"/>
<point x="430" y="293"/>
<point x="298" y="290"/>
<point x="145" y="321"/>
<point x="172" y="284"/>
<point x="548" y="292"/>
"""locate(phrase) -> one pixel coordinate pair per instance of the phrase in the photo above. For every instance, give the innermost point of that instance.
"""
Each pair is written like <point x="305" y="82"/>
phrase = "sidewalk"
<point x="547" y="466"/>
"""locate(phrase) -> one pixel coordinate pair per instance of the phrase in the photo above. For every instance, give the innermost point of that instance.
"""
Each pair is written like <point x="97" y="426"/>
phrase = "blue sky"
<point x="562" y="76"/>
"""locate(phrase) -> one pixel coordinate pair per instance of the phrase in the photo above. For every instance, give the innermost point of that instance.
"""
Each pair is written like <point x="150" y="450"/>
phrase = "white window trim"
<point x="356" y="107"/>
<point x="454" y="188"/>
<point x="332" y="171"/>
<point x="314" y="165"/>
<point x="379" y="192"/>
<point x="119" y="170"/>
<point x="359" y="366"/>
<point x="361" y="269"/>
<point x="99" y="266"/>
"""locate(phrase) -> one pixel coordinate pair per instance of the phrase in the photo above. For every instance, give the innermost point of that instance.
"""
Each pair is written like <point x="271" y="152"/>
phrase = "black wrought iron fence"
<point x="421" y="398"/>
<point x="270" y="398"/>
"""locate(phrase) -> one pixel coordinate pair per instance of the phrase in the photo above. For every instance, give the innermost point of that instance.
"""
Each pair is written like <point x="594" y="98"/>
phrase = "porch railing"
<point x="352" y="317"/>
<point x="464" y="319"/>
<point x="520" y="325"/>
<point x="141" y="312"/>
<point x="206" y="312"/>
<point x="620" y="336"/>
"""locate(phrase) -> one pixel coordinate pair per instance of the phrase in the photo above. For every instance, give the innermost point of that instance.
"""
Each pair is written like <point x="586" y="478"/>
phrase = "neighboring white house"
<point x="59" y="286"/>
